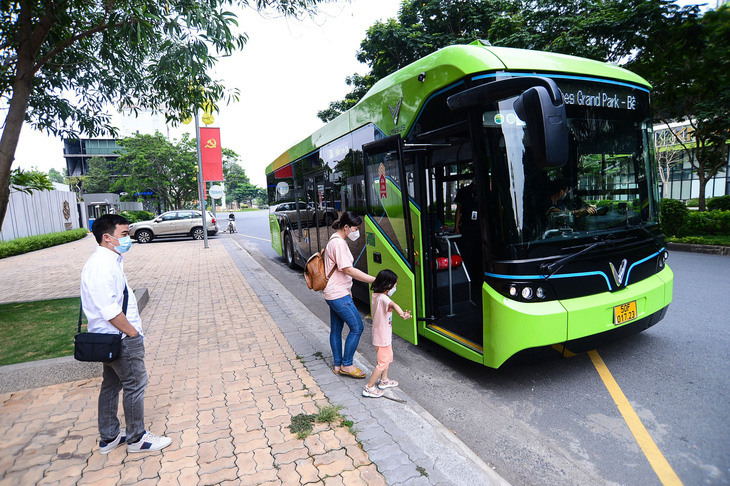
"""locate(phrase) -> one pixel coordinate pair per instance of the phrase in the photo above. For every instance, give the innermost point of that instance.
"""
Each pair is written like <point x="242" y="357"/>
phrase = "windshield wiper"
<point x="549" y="269"/>
<point x="643" y="228"/>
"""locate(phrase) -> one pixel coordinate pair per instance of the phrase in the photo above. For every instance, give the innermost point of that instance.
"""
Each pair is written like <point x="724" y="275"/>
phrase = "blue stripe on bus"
<point x="561" y="76"/>
<point x="543" y="277"/>
<point x="640" y="262"/>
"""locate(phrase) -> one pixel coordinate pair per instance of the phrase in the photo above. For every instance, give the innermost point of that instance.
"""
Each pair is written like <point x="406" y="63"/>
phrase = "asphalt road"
<point x="553" y="421"/>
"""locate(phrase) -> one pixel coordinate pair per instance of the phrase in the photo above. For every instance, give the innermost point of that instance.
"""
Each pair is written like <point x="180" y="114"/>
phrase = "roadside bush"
<point x="721" y="240"/>
<point x="707" y="223"/>
<point x="135" y="216"/>
<point x="720" y="203"/>
<point x="19" y="246"/>
<point x="674" y="216"/>
<point x="693" y="203"/>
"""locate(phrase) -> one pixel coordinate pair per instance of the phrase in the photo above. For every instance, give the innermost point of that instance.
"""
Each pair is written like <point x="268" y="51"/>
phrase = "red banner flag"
<point x="211" y="154"/>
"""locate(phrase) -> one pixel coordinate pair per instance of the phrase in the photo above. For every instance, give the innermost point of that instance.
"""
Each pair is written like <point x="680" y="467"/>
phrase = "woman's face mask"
<point x="354" y="235"/>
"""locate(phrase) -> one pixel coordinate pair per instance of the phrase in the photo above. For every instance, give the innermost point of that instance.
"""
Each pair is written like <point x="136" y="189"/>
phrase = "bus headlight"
<point x="540" y="293"/>
<point x="513" y="290"/>
<point x="527" y="293"/>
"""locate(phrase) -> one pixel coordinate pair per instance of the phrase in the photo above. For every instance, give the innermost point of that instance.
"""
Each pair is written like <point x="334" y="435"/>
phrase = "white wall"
<point x="38" y="214"/>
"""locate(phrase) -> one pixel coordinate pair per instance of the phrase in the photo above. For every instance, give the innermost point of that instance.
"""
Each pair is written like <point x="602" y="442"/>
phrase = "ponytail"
<point x="348" y="218"/>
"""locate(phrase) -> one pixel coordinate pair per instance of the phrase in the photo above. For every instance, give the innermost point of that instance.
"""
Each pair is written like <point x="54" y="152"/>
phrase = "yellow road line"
<point x="560" y="348"/>
<point x="661" y="467"/>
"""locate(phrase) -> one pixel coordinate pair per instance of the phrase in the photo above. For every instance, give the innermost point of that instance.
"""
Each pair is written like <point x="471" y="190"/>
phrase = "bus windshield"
<point x="606" y="186"/>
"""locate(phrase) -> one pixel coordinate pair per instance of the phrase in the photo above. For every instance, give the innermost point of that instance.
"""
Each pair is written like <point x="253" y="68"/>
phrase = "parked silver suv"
<point x="181" y="222"/>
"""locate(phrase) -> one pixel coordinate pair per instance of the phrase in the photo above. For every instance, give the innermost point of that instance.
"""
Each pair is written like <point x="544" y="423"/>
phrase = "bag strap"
<point x="333" y="268"/>
<point x="124" y="306"/>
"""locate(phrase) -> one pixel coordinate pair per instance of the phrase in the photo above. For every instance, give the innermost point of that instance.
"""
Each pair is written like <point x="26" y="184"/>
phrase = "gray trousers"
<point x="127" y="373"/>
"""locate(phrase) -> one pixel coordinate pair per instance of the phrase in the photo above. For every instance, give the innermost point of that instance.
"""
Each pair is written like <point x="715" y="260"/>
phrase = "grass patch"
<point x="303" y="424"/>
<point x="44" y="329"/>
<point x="721" y="240"/>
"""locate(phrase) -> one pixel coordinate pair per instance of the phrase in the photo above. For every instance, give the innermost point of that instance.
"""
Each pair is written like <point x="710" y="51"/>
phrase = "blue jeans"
<point x="127" y="373"/>
<point x="343" y="311"/>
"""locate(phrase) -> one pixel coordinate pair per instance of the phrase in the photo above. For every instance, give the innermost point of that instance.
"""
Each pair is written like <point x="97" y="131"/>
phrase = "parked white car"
<point x="180" y="222"/>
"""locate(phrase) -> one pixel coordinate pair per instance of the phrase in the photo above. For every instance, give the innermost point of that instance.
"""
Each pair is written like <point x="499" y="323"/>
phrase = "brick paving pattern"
<point x="224" y="384"/>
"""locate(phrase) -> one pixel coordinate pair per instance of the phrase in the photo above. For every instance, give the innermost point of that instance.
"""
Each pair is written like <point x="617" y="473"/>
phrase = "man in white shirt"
<point x="103" y="286"/>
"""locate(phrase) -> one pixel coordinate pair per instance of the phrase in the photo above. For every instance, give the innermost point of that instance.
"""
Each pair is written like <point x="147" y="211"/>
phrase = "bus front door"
<point x="388" y="226"/>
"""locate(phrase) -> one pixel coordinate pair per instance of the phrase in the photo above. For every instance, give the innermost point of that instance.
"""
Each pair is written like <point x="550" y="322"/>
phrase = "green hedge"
<point x="707" y="223"/>
<point x="717" y="240"/>
<point x="720" y="203"/>
<point x="674" y="215"/>
<point x="19" y="246"/>
<point x="135" y="216"/>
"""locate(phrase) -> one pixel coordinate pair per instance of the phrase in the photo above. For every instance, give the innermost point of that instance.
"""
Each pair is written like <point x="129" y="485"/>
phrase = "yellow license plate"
<point x="624" y="312"/>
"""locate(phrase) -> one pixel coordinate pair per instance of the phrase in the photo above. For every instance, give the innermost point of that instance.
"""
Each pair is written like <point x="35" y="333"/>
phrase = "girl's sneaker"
<point x="383" y="384"/>
<point x="373" y="392"/>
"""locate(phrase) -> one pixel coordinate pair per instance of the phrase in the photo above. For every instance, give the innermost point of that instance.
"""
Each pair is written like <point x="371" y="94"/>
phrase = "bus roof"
<point x="439" y="70"/>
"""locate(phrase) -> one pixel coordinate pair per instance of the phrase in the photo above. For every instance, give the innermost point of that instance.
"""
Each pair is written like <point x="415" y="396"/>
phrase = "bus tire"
<point x="289" y="251"/>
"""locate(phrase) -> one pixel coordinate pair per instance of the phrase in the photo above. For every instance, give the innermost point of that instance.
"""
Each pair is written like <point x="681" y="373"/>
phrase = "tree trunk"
<point x="11" y="131"/>
<point x="703" y="183"/>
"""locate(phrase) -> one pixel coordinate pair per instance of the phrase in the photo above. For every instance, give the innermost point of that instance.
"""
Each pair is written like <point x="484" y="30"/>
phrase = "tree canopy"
<point x="64" y="62"/>
<point x="605" y="30"/>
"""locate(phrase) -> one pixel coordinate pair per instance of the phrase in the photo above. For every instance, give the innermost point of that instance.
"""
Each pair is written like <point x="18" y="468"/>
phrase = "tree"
<point x="153" y="163"/>
<point x="64" y="61"/>
<point x="99" y="176"/>
<point x="29" y="181"/>
<point x="668" y="154"/>
<point x="55" y="176"/>
<point x="690" y="72"/>
<point x="605" y="30"/>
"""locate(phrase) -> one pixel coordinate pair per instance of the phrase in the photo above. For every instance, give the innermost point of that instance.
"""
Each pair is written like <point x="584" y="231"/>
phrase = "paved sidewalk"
<point x="231" y="357"/>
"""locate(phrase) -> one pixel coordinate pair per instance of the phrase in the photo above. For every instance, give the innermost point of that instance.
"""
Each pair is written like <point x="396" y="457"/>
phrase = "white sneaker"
<point x="107" y="447"/>
<point x="149" y="443"/>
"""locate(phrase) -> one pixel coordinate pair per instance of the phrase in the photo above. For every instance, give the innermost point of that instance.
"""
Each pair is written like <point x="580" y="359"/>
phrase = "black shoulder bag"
<point x="94" y="346"/>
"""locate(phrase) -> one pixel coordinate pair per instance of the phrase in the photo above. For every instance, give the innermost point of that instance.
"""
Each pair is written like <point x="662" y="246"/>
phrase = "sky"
<point x="286" y="73"/>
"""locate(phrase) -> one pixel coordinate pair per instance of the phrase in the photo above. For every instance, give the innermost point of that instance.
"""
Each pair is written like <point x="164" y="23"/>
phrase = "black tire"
<point x="197" y="233"/>
<point x="291" y="261"/>
<point x="144" y="236"/>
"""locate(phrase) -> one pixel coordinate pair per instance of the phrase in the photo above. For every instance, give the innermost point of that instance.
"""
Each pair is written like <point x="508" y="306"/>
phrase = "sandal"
<point x="383" y="384"/>
<point x="337" y="372"/>
<point x="356" y="373"/>
<point x="372" y="392"/>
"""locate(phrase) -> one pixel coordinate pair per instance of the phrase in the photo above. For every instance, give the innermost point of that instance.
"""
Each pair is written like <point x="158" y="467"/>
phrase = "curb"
<point x="54" y="371"/>
<point x="707" y="249"/>
<point x="408" y="444"/>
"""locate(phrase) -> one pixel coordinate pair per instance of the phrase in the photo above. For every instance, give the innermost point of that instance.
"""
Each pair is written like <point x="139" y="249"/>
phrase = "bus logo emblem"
<point x="618" y="277"/>
<point x="395" y="112"/>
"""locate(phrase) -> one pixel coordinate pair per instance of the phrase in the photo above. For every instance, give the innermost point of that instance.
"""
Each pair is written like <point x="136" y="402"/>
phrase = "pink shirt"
<point x="337" y="252"/>
<point x="382" y="320"/>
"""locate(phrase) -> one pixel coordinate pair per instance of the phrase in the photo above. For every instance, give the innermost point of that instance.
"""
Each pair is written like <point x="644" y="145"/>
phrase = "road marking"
<point x="254" y="237"/>
<point x="560" y="348"/>
<point x="661" y="467"/>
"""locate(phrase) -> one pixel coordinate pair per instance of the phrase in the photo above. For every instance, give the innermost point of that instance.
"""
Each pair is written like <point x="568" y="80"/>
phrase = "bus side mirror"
<point x="547" y="126"/>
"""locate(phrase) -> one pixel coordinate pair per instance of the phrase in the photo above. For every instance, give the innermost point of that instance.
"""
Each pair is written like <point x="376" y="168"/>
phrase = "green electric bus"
<point x="513" y="192"/>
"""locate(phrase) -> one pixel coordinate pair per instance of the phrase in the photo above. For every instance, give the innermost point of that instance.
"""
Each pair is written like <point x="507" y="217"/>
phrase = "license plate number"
<point x="624" y="312"/>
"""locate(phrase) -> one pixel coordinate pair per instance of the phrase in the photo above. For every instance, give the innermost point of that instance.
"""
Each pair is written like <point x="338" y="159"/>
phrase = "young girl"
<point x="382" y="307"/>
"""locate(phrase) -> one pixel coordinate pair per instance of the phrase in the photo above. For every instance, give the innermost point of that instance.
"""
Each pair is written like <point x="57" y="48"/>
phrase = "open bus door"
<point x="389" y="233"/>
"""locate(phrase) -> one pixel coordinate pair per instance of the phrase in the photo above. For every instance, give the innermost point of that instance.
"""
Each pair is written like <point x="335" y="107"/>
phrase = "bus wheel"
<point x="289" y="251"/>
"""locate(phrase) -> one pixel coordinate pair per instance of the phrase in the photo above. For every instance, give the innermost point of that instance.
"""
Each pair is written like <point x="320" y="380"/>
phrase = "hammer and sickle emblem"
<point x="210" y="143"/>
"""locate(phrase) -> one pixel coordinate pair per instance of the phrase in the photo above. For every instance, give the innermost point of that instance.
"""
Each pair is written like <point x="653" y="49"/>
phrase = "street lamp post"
<point x="201" y="183"/>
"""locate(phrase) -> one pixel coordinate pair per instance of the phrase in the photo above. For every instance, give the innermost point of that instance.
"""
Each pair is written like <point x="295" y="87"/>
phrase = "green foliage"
<point x="674" y="215"/>
<point x="693" y="203"/>
<point x="99" y="176"/>
<point x="29" y="181"/>
<point x="329" y="414"/>
<point x="608" y="30"/>
<point x="689" y="68"/>
<point x="153" y="163"/>
<point x="55" y="176"/>
<point x="135" y="216"/>
<point x="707" y="223"/>
<point x="721" y="203"/>
<point x="37" y="330"/>
<point x="717" y="240"/>
<point x="19" y="246"/>
<point x="302" y="425"/>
